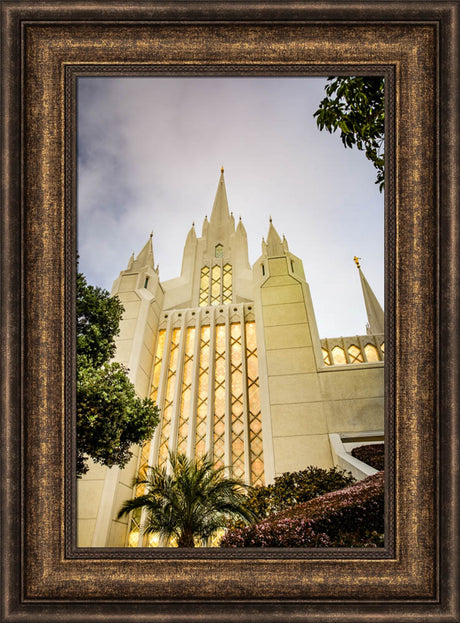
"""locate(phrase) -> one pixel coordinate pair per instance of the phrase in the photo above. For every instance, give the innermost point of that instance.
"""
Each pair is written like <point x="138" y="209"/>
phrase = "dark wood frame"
<point x="45" y="45"/>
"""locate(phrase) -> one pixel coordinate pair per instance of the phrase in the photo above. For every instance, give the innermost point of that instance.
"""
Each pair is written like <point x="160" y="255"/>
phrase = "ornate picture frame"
<point x="45" y="47"/>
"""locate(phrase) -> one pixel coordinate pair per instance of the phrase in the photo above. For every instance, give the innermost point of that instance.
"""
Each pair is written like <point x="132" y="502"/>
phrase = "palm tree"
<point x="191" y="499"/>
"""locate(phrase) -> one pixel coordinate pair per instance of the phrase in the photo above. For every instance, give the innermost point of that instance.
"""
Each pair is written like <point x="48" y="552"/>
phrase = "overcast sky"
<point x="149" y="158"/>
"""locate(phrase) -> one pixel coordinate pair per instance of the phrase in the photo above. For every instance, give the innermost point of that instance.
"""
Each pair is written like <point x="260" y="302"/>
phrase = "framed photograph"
<point x="54" y="57"/>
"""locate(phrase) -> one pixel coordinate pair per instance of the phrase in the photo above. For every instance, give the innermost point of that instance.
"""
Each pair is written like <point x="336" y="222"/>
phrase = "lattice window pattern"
<point x="219" y="398"/>
<point x="204" y="287"/>
<point x="355" y="354"/>
<point x="326" y="358"/>
<point x="255" y="423"/>
<point x="169" y="398"/>
<point x="215" y="284"/>
<point x="186" y="393"/>
<point x="237" y="401"/>
<point x="227" y="284"/>
<point x="203" y="380"/>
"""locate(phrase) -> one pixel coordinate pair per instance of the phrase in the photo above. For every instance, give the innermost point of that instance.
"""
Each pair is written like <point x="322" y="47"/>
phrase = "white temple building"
<point x="232" y="356"/>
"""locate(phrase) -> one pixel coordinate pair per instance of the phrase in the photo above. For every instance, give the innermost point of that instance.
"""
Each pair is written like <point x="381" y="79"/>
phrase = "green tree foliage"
<point x="293" y="488"/>
<point x="356" y="107"/>
<point x="110" y="416"/>
<point x="190" y="500"/>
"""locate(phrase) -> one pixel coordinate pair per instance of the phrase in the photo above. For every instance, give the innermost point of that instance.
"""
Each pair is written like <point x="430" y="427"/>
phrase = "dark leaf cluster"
<point x="355" y="106"/>
<point x="292" y="488"/>
<point x="110" y="415"/>
<point x="372" y="454"/>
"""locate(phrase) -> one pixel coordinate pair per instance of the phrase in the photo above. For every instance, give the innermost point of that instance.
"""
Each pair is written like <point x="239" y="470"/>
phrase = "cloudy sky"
<point x="149" y="158"/>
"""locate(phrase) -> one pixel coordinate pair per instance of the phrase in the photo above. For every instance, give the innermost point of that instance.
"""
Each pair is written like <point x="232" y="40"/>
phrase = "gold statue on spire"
<point x="357" y="261"/>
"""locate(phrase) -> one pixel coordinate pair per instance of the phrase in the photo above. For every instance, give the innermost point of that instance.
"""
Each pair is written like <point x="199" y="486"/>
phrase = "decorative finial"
<point x="357" y="261"/>
<point x="221" y="169"/>
<point x="193" y="224"/>
<point x="240" y="217"/>
<point x="270" y="219"/>
<point x="151" y="234"/>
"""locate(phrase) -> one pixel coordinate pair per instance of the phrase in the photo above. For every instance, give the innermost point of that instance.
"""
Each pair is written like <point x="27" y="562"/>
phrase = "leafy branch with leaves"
<point x="356" y="107"/>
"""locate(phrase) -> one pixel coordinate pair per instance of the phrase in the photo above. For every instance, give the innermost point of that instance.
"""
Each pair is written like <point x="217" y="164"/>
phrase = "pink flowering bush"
<point x="350" y="517"/>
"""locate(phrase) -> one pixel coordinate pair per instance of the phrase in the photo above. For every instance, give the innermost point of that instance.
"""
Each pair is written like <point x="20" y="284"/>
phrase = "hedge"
<point x="350" y="517"/>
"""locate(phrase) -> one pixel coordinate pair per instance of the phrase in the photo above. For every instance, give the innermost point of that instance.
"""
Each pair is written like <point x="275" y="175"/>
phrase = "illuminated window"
<point x="338" y="355"/>
<point x="227" y="284"/>
<point x="371" y="352"/>
<point x="204" y="286"/>
<point x="215" y="284"/>
<point x="237" y="401"/>
<point x="203" y="378"/>
<point x="168" y="404"/>
<point x="219" y="250"/>
<point x="355" y="354"/>
<point x="219" y="397"/>
<point x="326" y="358"/>
<point x="255" y="423"/>
<point x="382" y="347"/>
<point x="186" y="393"/>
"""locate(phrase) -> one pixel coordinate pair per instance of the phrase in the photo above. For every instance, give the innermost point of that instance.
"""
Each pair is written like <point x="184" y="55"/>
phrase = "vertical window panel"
<point x="255" y="421"/>
<point x="237" y="401"/>
<point x="202" y="404"/>
<point x="215" y="284"/>
<point x="338" y="355"/>
<point x="186" y="393"/>
<point x="168" y="404"/>
<point x="204" y="287"/>
<point x="219" y="397"/>
<point x="227" y="284"/>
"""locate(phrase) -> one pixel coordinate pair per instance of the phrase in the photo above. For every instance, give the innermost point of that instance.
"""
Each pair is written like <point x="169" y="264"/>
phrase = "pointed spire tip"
<point x="357" y="261"/>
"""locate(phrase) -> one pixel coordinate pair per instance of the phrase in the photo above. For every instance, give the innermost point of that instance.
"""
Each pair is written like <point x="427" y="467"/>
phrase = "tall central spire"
<point x="220" y="214"/>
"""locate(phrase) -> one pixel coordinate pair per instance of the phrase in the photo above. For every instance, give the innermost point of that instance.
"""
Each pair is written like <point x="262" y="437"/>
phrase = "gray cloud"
<point x="150" y="152"/>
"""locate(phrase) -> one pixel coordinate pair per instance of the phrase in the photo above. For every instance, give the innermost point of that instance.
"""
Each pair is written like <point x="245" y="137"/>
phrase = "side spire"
<point x="145" y="257"/>
<point x="375" y="315"/>
<point x="274" y="243"/>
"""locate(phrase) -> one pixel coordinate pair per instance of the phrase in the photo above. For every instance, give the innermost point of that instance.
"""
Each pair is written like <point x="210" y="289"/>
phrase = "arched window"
<point x="355" y="354"/>
<point x="371" y="352"/>
<point x="338" y="355"/>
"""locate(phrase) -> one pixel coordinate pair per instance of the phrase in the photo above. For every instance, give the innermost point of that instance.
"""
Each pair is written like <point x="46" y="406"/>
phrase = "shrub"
<point x="293" y="488"/>
<point x="373" y="455"/>
<point x="350" y="517"/>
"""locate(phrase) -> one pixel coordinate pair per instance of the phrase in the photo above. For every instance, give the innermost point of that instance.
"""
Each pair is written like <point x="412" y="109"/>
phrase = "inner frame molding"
<point x="417" y="574"/>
